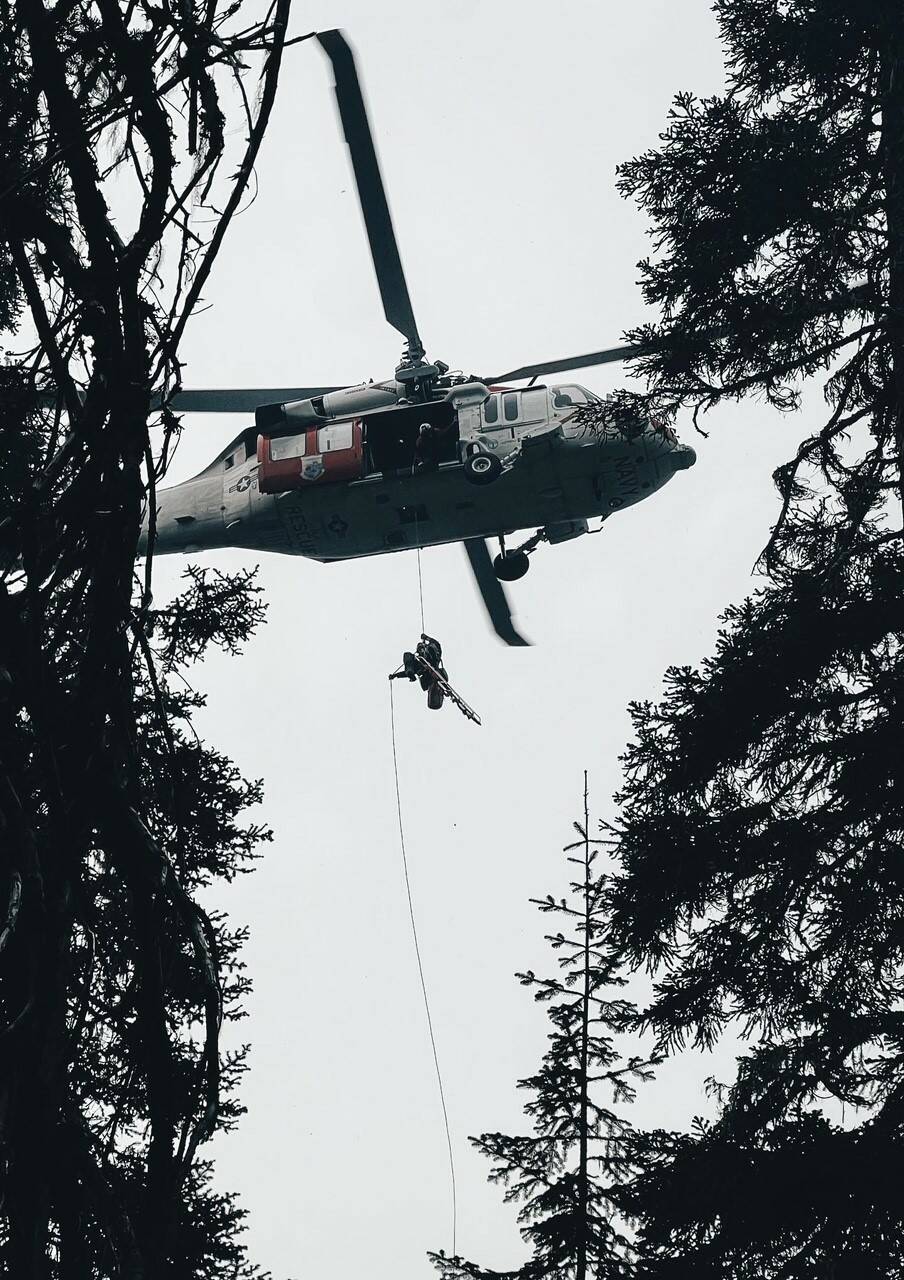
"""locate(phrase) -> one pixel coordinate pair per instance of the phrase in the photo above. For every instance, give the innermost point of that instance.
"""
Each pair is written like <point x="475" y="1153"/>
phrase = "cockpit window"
<point x="571" y="396"/>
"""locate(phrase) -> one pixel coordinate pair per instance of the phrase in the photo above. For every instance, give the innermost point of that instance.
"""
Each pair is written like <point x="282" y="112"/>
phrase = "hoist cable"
<point x="420" y="588"/>
<point x="420" y="969"/>
<point x="420" y="580"/>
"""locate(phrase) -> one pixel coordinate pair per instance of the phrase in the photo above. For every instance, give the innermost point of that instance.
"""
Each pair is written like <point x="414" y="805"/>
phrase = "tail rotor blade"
<point x="371" y="193"/>
<point x="490" y="588"/>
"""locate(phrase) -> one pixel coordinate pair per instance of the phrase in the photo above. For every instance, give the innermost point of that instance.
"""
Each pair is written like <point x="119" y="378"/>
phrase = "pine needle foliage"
<point x="563" y="1173"/>
<point x="760" y="841"/>
<point x="777" y="212"/>
<point x="762" y="815"/>
<point x="128" y="138"/>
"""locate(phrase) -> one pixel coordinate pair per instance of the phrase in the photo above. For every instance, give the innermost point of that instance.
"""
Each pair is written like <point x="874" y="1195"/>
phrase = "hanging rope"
<point x="420" y="588"/>
<point x="420" y="967"/>
<point x="420" y="580"/>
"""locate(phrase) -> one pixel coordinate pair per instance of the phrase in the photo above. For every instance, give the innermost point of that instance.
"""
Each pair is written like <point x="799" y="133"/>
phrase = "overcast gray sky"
<point x="499" y="126"/>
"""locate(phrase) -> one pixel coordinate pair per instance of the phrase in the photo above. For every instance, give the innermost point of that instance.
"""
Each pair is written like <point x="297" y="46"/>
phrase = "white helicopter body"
<point x="326" y="493"/>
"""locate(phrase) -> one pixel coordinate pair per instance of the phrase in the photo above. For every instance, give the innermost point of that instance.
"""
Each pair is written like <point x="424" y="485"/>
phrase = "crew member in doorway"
<point x="426" y="448"/>
<point x="430" y="444"/>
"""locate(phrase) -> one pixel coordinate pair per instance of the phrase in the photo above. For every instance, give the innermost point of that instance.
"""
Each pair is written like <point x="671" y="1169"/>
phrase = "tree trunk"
<point x="37" y="1090"/>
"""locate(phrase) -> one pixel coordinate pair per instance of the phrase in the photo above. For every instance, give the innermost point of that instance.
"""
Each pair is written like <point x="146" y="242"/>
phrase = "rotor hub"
<point x="416" y="377"/>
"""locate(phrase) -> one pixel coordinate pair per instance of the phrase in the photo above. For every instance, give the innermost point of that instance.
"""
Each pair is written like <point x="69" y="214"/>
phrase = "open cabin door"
<point x="391" y="436"/>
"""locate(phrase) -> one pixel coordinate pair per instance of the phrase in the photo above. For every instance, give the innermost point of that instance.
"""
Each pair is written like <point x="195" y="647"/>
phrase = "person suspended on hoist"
<point x="425" y="664"/>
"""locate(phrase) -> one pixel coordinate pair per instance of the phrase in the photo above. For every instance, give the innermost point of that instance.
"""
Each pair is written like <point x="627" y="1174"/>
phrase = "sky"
<point x="499" y="125"/>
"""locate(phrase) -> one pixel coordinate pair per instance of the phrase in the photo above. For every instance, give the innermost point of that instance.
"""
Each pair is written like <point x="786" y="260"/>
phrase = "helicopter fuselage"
<point x="352" y="488"/>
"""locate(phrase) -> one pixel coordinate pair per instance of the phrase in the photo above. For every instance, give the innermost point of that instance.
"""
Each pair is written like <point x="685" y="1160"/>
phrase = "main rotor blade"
<point x="609" y="356"/>
<point x="491" y="590"/>
<point x="371" y="192"/>
<point x="239" y="399"/>
<point x="847" y="300"/>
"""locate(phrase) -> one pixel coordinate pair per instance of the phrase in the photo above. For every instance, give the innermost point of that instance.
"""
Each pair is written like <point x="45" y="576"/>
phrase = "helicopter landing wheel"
<point x="511" y="566"/>
<point x="482" y="468"/>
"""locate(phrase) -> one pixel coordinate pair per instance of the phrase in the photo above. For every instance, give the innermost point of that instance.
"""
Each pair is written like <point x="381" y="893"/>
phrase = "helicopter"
<point x="429" y="456"/>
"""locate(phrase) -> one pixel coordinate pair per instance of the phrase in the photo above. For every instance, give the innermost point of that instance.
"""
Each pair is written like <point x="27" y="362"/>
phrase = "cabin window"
<point x="287" y="447"/>
<point x="491" y="410"/>
<point x="230" y="461"/>
<point x="330" y="439"/>
<point x="534" y="404"/>
<point x="510" y="406"/>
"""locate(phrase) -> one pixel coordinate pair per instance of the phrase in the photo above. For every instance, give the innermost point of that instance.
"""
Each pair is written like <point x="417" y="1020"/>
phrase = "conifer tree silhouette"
<point x="563" y="1172"/>
<point x="122" y="163"/>
<point x="762" y="817"/>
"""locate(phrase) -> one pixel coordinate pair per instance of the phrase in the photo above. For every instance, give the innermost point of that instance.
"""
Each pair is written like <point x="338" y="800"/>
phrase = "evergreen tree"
<point x="762" y="818"/>
<point x="142" y="1048"/>
<point x="120" y="169"/>
<point x="562" y="1173"/>
<point x="778" y="217"/>
<point x="760" y="841"/>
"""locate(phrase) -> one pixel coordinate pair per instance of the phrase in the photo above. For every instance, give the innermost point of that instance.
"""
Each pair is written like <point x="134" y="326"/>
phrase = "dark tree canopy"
<point x="778" y="220"/>
<point x="760" y="839"/>
<point x="762" y="816"/>
<point x="121" y="165"/>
